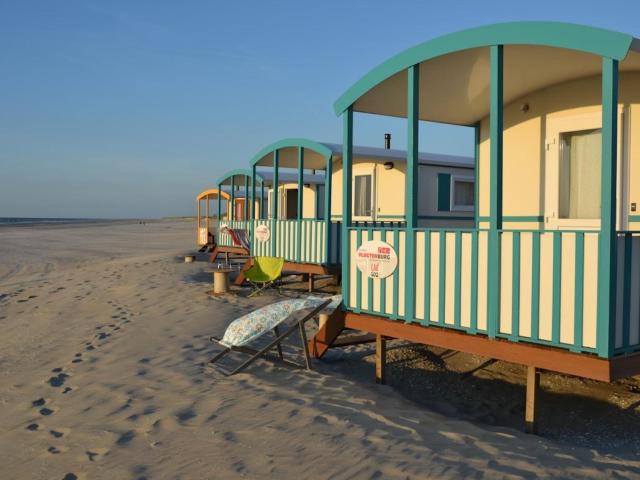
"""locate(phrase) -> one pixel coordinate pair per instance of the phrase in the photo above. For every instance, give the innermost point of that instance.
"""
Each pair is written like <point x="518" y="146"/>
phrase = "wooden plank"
<point x="381" y="359"/>
<point x="533" y="385"/>
<point x="327" y="334"/>
<point x="547" y="358"/>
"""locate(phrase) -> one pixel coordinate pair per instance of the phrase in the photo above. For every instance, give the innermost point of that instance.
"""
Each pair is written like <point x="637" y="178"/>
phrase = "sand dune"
<point x="104" y="335"/>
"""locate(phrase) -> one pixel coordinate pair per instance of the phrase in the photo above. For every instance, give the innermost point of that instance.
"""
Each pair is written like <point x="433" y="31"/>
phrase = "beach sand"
<point x="104" y="335"/>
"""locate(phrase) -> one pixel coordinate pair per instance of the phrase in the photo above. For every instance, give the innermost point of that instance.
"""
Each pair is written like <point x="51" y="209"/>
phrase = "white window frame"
<point x="364" y="171"/>
<point x="452" y="193"/>
<point x="577" y="123"/>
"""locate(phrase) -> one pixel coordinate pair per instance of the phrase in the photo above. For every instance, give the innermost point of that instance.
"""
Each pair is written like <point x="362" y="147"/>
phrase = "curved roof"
<point x="238" y="172"/>
<point x="316" y="154"/>
<point x="581" y="39"/>
<point x="213" y="192"/>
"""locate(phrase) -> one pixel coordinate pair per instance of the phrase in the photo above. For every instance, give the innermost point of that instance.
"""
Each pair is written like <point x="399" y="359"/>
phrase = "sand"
<point x="104" y="335"/>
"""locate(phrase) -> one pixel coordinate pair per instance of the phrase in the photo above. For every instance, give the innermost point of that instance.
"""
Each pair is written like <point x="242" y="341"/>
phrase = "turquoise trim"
<point x="347" y="160"/>
<point x="495" y="189"/>
<point x="274" y="206"/>
<point x="556" y="288"/>
<point x="476" y="169"/>
<point x="597" y="41"/>
<point x="252" y="226"/>
<point x="535" y="286"/>
<point x="607" y="255"/>
<point x="634" y="218"/>
<point x="238" y="172"/>
<point x="578" y="307"/>
<point x="232" y="215"/>
<point x="263" y="212"/>
<point x="300" y="202"/>
<point x="295" y="143"/>
<point x="444" y="192"/>
<point x="515" y="218"/>
<point x="411" y="188"/>
<point x="626" y="302"/>
<point x="444" y="217"/>
<point x="327" y="212"/>
<point x="246" y="200"/>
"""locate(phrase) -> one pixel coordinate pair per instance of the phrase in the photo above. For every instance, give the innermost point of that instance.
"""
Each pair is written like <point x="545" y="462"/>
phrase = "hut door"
<point x="573" y="172"/>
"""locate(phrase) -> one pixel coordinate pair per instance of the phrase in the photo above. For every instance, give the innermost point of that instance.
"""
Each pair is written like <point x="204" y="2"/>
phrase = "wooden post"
<point x="381" y="359"/>
<point x="311" y="282"/>
<point x="533" y="385"/>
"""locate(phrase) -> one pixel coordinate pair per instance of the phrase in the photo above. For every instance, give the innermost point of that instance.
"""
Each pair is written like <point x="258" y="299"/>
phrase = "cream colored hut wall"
<point x="390" y="187"/>
<point x="308" y="198"/>
<point x="524" y="143"/>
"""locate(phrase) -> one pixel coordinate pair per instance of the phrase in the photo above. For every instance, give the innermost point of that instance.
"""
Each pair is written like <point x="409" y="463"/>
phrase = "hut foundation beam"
<point x="533" y="386"/>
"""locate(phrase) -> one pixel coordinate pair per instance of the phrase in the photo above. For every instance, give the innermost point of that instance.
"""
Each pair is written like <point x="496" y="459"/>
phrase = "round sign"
<point x="262" y="233"/>
<point x="376" y="259"/>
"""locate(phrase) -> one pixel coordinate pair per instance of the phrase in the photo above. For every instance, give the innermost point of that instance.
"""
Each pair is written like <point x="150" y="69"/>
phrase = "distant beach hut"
<point x="305" y="228"/>
<point x="549" y="276"/>
<point x="206" y="231"/>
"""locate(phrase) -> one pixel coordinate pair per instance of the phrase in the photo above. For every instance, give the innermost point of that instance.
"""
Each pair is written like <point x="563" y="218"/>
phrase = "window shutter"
<point x="444" y="192"/>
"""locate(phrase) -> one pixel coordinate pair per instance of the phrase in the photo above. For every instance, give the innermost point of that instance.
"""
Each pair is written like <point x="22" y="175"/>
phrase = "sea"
<point x="26" y="221"/>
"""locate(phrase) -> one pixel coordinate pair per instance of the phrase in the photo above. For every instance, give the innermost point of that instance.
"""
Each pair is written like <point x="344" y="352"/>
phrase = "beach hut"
<point x="305" y="228"/>
<point x="205" y="233"/>
<point x="549" y="276"/>
<point x="233" y="228"/>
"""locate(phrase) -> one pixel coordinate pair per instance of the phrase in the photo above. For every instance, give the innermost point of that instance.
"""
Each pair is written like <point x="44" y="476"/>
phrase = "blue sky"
<point x="129" y="108"/>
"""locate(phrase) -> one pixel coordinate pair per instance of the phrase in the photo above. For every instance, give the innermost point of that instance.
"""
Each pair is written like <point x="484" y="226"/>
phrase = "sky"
<point x="128" y="109"/>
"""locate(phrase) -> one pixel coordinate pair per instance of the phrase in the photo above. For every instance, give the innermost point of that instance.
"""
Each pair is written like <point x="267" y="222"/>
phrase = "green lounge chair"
<point x="264" y="273"/>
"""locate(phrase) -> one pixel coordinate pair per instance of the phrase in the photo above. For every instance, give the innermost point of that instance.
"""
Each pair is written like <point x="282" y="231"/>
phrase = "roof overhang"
<point x="316" y="155"/>
<point x="212" y="193"/>
<point x="238" y="177"/>
<point x="454" y="69"/>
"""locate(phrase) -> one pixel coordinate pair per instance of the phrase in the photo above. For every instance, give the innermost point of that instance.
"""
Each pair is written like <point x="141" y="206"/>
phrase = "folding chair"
<point x="256" y="324"/>
<point x="264" y="273"/>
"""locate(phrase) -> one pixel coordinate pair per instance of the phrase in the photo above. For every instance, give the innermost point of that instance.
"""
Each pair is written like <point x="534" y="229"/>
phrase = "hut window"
<point x="579" y="186"/>
<point x="362" y="196"/>
<point x="462" y="193"/>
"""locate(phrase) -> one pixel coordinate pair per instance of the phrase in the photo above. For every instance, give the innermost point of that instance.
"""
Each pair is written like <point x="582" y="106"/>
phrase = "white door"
<point x="573" y="172"/>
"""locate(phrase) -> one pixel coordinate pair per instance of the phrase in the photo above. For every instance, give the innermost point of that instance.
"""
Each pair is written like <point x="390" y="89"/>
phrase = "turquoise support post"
<point x="327" y="209"/>
<point x="263" y="213"/>
<point x="476" y="169"/>
<point x="246" y="198"/>
<point x="347" y="153"/>
<point x="252" y="209"/>
<point x="274" y="207"/>
<point x="231" y="215"/>
<point x="300" y="203"/>
<point x="495" y="189"/>
<point x="607" y="256"/>
<point x="411" y="190"/>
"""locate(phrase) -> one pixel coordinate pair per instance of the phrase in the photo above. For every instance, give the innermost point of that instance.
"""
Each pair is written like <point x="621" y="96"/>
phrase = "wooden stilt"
<point x="381" y="359"/>
<point x="533" y="385"/>
<point x="311" y="282"/>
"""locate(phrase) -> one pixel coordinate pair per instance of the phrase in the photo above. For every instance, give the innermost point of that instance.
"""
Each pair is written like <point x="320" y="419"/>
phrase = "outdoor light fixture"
<point x="388" y="165"/>
<point x="387" y="141"/>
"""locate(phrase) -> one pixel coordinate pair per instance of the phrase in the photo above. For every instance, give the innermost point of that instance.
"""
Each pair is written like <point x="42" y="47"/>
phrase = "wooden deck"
<point x="546" y="358"/>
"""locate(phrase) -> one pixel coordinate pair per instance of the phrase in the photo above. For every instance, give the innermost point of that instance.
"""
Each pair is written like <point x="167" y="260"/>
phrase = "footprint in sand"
<point x="32" y="427"/>
<point x="46" y="411"/>
<point x="58" y="380"/>
<point x="38" y="403"/>
<point x="70" y="476"/>
<point x="56" y="434"/>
